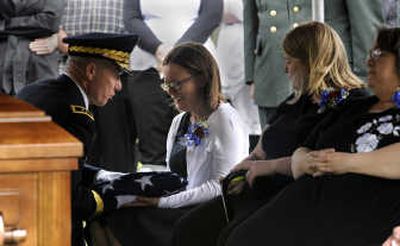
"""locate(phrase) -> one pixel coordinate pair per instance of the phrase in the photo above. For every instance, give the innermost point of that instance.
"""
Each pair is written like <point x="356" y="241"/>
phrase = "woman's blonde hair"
<point x="321" y="49"/>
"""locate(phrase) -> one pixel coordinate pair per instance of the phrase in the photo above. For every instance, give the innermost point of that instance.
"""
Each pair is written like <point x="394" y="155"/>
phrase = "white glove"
<point x="103" y="175"/>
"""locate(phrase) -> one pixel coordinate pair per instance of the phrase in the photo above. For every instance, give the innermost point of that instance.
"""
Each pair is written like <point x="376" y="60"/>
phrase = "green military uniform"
<point x="266" y="23"/>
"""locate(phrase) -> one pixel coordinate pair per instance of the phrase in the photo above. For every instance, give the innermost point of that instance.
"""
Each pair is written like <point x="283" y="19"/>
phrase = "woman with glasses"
<point x="204" y="142"/>
<point x="160" y="26"/>
<point x="347" y="172"/>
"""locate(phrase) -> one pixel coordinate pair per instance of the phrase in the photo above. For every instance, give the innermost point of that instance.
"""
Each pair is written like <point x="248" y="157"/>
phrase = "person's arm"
<point x="44" y="23"/>
<point x="260" y="168"/>
<point x="88" y="202"/>
<point x="303" y="161"/>
<point x="210" y="16"/>
<point x="382" y="163"/>
<point x="257" y="154"/>
<point x="299" y="162"/>
<point x="250" y="26"/>
<point x="202" y="193"/>
<point x="365" y="17"/>
<point x="134" y="23"/>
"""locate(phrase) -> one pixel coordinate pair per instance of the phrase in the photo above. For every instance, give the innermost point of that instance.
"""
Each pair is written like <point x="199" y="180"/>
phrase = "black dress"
<point x="288" y="128"/>
<point x="340" y="210"/>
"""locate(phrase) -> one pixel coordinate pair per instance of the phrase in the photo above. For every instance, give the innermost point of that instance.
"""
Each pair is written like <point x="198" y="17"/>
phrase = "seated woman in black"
<point x="317" y="64"/>
<point x="348" y="172"/>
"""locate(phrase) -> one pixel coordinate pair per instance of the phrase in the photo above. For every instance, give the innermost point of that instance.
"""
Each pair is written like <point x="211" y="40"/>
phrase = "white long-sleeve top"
<point x="226" y="145"/>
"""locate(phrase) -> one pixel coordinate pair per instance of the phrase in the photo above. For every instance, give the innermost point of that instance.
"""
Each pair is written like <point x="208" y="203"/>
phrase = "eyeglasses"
<point x="174" y="85"/>
<point x="374" y="54"/>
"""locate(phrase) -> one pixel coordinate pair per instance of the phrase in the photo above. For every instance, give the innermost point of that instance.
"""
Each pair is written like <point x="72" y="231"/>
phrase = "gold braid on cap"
<point x="117" y="55"/>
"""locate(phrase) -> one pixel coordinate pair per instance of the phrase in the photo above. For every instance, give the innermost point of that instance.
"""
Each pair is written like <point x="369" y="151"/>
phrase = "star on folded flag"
<point x="143" y="181"/>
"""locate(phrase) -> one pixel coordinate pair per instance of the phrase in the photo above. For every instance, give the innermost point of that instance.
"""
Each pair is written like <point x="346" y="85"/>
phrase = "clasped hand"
<point x="326" y="161"/>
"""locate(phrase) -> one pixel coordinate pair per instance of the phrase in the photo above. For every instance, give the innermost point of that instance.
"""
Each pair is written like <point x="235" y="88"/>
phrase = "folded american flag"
<point x="125" y="187"/>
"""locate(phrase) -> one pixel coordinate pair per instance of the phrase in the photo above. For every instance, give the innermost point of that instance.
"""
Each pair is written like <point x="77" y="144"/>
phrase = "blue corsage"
<point x="330" y="98"/>
<point x="196" y="132"/>
<point x="396" y="98"/>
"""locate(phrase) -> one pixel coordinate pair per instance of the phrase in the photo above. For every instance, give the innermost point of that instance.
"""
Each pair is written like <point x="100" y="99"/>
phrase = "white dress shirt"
<point x="225" y="146"/>
<point x="83" y="93"/>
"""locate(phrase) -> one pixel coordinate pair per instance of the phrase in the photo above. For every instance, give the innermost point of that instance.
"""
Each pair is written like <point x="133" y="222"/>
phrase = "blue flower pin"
<point x="196" y="132"/>
<point x="330" y="98"/>
<point x="396" y="98"/>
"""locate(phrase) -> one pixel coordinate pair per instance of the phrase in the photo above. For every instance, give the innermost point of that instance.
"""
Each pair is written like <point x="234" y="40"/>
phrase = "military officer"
<point x="267" y="21"/>
<point x="92" y="77"/>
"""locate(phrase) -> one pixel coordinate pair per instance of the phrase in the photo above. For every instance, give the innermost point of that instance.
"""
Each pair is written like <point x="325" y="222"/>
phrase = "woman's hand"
<point x="235" y="187"/>
<point x="254" y="169"/>
<point x="301" y="163"/>
<point x="262" y="168"/>
<point x="142" y="201"/>
<point x="394" y="239"/>
<point x="331" y="162"/>
<point x="243" y="165"/>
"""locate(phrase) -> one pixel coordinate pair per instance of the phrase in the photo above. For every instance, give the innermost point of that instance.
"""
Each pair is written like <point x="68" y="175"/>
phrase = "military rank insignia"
<point x="77" y="109"/>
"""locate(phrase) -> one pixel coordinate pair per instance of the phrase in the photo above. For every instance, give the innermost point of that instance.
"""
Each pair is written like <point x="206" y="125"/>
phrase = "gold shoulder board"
<point x="76" y="109"/>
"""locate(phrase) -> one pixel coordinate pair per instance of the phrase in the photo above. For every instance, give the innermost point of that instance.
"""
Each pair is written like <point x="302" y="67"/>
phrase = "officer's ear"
<point x="90" y="71"/>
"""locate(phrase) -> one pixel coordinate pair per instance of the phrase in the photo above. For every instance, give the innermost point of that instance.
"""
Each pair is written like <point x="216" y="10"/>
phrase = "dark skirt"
<point x="207" y="223"/>
<point x="332" y="210"/>
<point x="139" y="226"/>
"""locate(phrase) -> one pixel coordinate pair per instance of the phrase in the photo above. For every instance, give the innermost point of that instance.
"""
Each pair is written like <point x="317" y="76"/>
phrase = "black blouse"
<point x="354" y="129"/>
<point x="292" y="124"/>
<point x="177" y="160"/>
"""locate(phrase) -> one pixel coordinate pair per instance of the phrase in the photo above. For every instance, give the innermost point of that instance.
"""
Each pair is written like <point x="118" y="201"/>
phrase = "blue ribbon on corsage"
<point x="330" y="98"/>
<point x="196" y="132"/>
<point x="396" y="98"/>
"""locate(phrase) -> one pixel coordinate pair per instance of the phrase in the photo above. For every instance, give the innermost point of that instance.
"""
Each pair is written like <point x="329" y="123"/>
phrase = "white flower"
<point x="385" y="118"/>
<point x="385" y="128"/>
<point x="364" y="128"/>
<point x="367" y="142"/>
